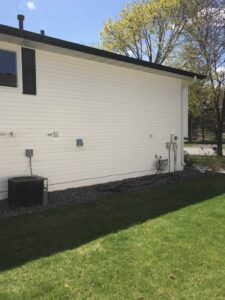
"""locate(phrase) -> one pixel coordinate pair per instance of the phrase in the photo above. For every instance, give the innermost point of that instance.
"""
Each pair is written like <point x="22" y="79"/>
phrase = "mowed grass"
<point x="165" y="242"/>
<point x="214" y="162"/>
<point x="199" y="144"/>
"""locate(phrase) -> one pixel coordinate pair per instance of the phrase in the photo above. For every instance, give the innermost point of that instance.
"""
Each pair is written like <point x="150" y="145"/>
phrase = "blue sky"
<point x="74" y="20"/>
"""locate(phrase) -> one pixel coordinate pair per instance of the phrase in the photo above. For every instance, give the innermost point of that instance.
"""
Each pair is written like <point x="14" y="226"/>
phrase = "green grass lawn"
<point x="213" y="162"/>
<point x="189" y="145"/>
<point x="160" y="243"/>
<point x="196" y="144"/>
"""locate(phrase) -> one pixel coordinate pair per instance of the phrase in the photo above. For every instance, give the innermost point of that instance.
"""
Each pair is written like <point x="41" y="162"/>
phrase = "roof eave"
<point x="54" y="42"/>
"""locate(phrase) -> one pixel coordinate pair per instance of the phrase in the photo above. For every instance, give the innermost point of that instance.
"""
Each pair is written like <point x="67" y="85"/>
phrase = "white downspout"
<point x="184" y="97"/>
<point x="181" y="135"/>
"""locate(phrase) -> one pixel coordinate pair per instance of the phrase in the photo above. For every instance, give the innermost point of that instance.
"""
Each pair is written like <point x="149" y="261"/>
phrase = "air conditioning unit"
<point x="27" y="191"/>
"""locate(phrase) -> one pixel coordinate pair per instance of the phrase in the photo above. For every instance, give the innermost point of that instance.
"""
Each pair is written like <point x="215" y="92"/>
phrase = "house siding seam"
<point x="114" y="110"/>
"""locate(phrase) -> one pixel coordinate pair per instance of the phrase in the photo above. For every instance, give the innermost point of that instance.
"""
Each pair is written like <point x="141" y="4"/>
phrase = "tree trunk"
<point x="220" y="140"/>
<point x="189" y="128"/>
<point x="203" y="127"/>
<point x="215" y="134"/>
<point x="220" y="121"/>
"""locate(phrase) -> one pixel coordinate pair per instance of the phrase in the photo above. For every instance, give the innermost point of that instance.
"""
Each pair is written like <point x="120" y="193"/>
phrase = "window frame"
<point x="16" y="50"/>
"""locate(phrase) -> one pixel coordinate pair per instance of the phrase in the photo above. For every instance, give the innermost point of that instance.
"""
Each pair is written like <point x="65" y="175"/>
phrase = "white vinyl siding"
<point x="124" y="117"/>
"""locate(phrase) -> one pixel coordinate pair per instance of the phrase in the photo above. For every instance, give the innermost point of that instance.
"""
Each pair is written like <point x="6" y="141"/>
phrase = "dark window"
<point x="8" y="75"/>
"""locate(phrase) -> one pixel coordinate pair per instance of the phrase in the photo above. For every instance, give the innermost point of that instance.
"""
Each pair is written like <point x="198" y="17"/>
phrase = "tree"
<point x="149" y="30"/>
<point x="201" y="112"/>
<point x="205" y="34"/>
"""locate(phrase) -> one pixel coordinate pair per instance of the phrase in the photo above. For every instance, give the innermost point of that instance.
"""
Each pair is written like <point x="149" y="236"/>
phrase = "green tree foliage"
<point x="201" y="110"/>
<point x="205" y="33"/>
<point x="148" y="30"/>
<point x="197" y="98"/>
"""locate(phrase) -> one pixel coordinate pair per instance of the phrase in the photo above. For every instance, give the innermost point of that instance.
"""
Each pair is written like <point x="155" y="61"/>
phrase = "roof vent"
<point x="21" y="19"/>
<point x="42" y="32"/>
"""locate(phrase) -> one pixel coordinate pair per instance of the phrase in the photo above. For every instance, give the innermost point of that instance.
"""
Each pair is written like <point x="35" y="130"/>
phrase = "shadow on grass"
<point x="26" y="238"/>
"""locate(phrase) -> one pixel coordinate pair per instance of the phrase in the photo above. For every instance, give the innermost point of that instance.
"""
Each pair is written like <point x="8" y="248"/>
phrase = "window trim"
<point x="16" y="50"/>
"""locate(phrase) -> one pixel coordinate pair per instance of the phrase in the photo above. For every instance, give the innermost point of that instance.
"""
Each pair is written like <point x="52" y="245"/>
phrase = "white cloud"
<point x="31" y="5"/>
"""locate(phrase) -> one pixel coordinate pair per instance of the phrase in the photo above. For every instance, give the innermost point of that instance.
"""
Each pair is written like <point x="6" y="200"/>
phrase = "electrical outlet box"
<point x="55" y="134"/>
<point x="79" y="142"/>
<point x="174" y="138"/>
<point x="29" y="152"/>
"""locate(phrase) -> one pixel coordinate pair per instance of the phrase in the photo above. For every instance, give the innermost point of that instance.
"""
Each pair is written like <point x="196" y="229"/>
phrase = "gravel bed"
<point x="101" y="191"/>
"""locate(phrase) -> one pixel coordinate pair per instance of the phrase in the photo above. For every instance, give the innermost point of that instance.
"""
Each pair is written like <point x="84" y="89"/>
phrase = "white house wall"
<point x="124" y="117"/>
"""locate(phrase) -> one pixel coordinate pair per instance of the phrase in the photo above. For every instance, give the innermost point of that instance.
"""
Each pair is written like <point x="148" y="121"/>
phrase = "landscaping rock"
<point x="101" y="191"/>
